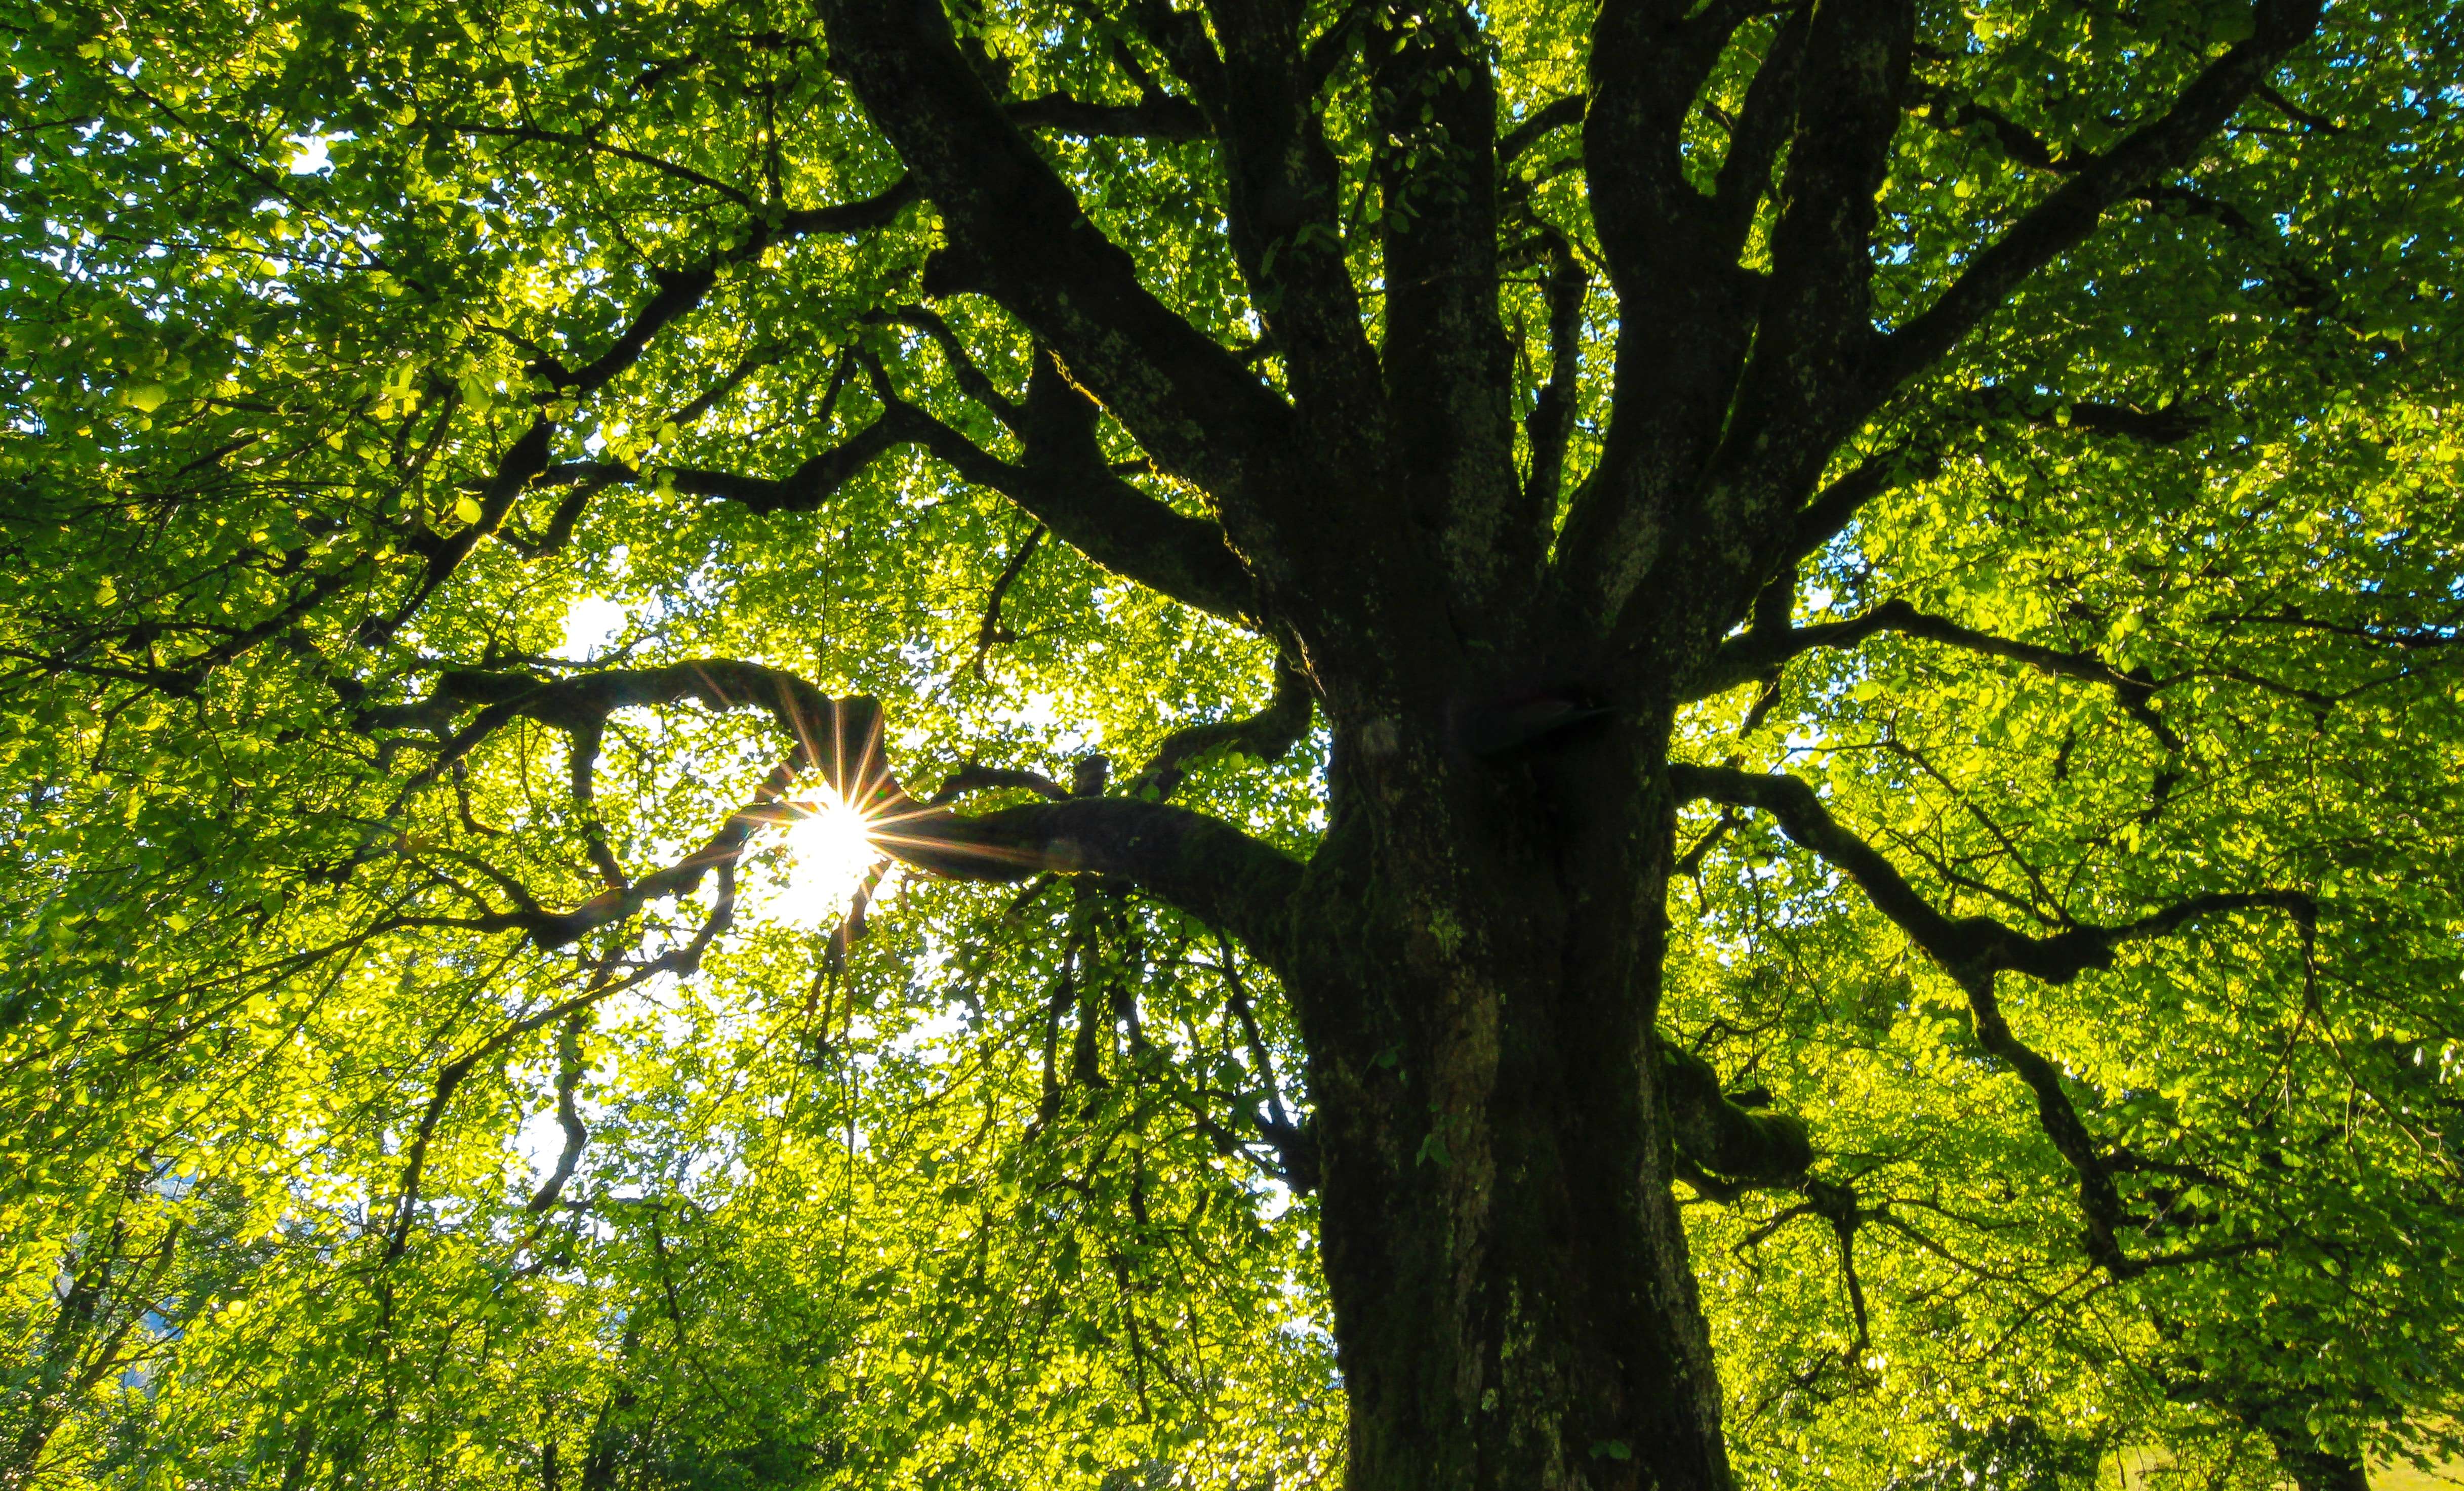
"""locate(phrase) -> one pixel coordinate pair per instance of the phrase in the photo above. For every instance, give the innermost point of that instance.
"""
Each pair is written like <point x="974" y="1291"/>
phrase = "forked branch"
<point x="1970" y="949"/>
<point x="1973" y="950"/>
<point x="2064" y="219"/>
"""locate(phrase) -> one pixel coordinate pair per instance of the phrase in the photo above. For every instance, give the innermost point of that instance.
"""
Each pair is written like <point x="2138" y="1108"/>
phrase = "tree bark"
<point x="1476" y="968"/>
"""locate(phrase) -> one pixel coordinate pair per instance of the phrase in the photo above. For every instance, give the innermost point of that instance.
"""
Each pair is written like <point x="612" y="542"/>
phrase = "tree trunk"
<point x="1477" y="973"/>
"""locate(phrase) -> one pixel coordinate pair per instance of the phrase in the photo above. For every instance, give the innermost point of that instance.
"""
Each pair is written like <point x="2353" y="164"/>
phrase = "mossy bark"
<point x="1478" y="974"/>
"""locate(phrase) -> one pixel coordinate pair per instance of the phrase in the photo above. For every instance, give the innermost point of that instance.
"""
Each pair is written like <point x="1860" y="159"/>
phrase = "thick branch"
<point x="1676" y="368"/>
<point x="1202" y="865"/>
<point x="970" y="378"/>
<point x="1551" y="425"/>
<point x="1835" y="506"/>
<point x="1555" y="115"/>
<point x="1207" y="867"/>
<point x="1450" y="372"/>
<point x="1736" y="1144"/>
<point x="1015" y="231"/>
<point x="2161" y="426"/>
<point x="1281" y="184"/>
<point x="1761" y="128"/>
<point x="1085" y="506"/>
<point x="1817" y="315"/>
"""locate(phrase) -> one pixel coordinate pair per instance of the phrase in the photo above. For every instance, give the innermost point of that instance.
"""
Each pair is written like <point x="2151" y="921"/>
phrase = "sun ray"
<point x="830" y="851"/>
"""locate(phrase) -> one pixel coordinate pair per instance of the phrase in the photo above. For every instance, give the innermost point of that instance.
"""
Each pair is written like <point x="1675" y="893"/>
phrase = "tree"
<point x="1819" y="626"/>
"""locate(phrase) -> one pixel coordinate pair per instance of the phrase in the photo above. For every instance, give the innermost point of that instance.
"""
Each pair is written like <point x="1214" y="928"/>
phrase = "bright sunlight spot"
<point x="829" y="852"/>
<point x="591" y="625"/>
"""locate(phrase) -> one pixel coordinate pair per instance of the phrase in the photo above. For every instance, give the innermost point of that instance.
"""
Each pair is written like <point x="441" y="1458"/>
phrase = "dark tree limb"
<point x="1836" y="505"/>
<point x="2066" y="218"/>
<point x="2446" y="634"/>
<point x="679" y="292"/>
<point x="991" y="631"/>
<point x="1294" y="1142"/>
<point x="1551" y="425"/>
<point x="1955" y="113"/>
<point x="1285" y="230"/>
<point x="2169" y="425"/>
<point x="1198" y="864"/>
<point x="1761" y="128"/>
<point x="1736" y="1147"/>
<point x="1968" y="948"/>
<point x="592" y="146"/>
<point x="963" y="372"/>
<point x="568" y="1117"/>
<point x="1679" y="564"/>
<point x="1203" y="865"/>
<point x="1267" y="735"/>
<point x="974" y="777"/>
<point x="448" y="1080"/>
<point x="1449" y="370"/>
<point x="1754" y="653"/>
<point x="813" y="482"/>
<point x="1676" y="369"/>
<point x="1084" y="504"/>
<point x="1014" y="232"/>
<point x="1974" y="949"/>
<point x="1815" y="314"/>
<point x="1554" y="115"/>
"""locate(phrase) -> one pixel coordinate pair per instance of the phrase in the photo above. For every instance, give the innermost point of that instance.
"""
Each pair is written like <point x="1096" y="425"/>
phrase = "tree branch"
<point x="1205" y="866"/>
<point x="1676" y="369"/>
<point x="1832" y="508"/>
<point x="1014" y="232"/>
<point x="1555" y="115"/>
<point x="569" y="1079"/>
<point x="1762" y="127"/>
<point x="679" y="292"/>
<point x="1968" y="948"/>
<point x="1755" y="654"/>
<point x="1202" y="865"/>
<point x="1974" y="949"/>
<point x="1286" y="233"/>
<point x="1449" y="370"/>
<point x="1737" y="1146"/>
<point x="1551" y="426"/>
<point x="1083" y="503"/>
<point x="1267" y="735"/>
<point x="2065" y="219"/>
<point x="2168" y="426"/>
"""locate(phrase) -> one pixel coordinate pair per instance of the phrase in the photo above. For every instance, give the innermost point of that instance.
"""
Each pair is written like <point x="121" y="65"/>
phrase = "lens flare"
<point x="829" y="852"/>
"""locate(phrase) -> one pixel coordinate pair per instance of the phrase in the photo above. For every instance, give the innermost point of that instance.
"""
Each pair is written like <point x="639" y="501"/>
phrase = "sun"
<point x="829" y="852"/>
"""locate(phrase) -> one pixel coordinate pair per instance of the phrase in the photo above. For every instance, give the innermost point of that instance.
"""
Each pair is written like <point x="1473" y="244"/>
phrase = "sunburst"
<point x="830" y="851"/>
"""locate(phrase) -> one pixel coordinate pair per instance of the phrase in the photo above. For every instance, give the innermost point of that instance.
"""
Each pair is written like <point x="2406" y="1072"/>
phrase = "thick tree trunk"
<point x="1478" y="974"/>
